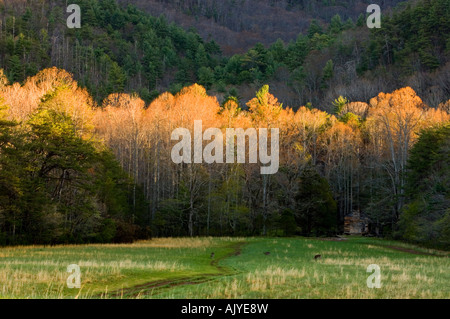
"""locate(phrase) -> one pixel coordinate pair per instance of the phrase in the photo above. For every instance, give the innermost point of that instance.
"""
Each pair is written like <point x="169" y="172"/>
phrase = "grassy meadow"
<point x="183" y="268"/>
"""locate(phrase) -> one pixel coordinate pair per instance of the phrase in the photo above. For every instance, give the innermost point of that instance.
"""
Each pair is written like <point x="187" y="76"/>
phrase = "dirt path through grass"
<point x="412" y="251"/>
<point x="149" y="288"/>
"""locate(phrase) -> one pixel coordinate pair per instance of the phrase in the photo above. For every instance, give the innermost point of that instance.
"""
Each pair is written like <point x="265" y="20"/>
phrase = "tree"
<point x="327" y="73"/>
<point x="264" y="108"/>
<point x="361" y="20"/>
<point x="116" y="79"/>
<point x="278" y="51"/>
<point x="297" y="52"/>
<point x="348" y="24"/>
<point x="59" y="161"/>
<point x="206" y="77"/>
<point x="57" y="181"/>
<point x="316" y="206"/>
<point x="201" y="58"/>
<point x="314" y="28"/>
<point x="339" y="105"/>
<point x="11" y="170"/>
<point x="336" y="24"/>
<point x="16" y="69"/>
<point x="426" y="216"/>
<point x="287" y="222"/>
<point x="396" y="117"/>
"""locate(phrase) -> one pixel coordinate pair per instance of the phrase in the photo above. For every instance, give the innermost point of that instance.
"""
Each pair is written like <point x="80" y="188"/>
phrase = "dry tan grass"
<point x="203" y="242"/>
<point x="261" y="280"/>
<point x="182" y="242"/>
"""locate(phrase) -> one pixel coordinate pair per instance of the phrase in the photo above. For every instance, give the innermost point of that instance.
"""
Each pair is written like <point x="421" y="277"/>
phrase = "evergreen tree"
<point x="116" y="79"/>
<point x="327" y="73"/>
<point x="317" y="210"/>
<point x="361" y="20"/>
<point x="426" y="216"/>
<point x="314" y="28"/>
<point x="15" y="69"/>
<point x="336" y="24"/>
<point x="206" y="77"/>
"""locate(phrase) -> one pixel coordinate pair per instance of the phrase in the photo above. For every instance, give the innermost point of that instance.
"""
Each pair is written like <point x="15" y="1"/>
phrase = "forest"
<point x="76" y="171"/>
<point x="237" y="26"/>
<point x="122" y="49"/>
<point x="86" y="117"/>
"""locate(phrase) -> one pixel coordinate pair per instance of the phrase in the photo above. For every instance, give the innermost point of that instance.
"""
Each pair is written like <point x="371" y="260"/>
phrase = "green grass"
<point x="182" y="268"/>
<point x="40" y="272"/>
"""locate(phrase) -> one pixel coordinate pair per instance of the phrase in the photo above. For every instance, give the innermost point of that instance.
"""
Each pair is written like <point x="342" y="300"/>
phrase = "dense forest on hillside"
<point x="239" y="25"/>
<point x="86" y="117"/>
<point x="122" y="49"/>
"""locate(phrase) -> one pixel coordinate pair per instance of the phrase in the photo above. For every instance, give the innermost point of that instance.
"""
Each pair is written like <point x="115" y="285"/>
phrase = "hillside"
<point x="122" y="49"/>
<point x="239" y="25"/>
